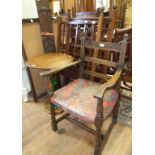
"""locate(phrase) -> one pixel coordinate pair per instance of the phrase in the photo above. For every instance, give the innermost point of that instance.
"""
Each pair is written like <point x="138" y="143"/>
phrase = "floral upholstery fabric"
<point x="77" y="99"/>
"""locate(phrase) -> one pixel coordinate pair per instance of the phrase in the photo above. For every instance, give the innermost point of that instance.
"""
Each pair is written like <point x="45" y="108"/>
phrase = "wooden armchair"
<point x="87" y="101"/>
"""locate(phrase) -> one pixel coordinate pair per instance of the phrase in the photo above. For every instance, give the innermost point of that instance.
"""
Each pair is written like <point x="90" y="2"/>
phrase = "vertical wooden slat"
<point x="82" y="55"/>
<point x="112" y="24"/>
<point x="68" y="39"/>
<point x="98" y="37"/>
<point x="75" y="41"/>
<point x="58" y="34"/>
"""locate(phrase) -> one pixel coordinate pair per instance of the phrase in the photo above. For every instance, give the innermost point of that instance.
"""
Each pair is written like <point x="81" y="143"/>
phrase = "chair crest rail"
<point x="103" y="45"/>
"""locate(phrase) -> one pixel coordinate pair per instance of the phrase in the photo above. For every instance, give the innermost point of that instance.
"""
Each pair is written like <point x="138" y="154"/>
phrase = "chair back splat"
<point x="100" y="63"/>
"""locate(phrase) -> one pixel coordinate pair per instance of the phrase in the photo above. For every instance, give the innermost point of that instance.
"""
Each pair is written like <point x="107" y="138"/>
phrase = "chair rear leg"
<point x="53" y="120"/>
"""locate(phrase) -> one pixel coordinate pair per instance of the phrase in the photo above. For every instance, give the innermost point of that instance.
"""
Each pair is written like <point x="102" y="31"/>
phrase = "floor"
<point x="38" y="138"/>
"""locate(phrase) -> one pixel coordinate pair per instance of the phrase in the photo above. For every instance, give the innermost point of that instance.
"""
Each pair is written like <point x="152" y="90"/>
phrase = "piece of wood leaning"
<point x="45" y="22"/>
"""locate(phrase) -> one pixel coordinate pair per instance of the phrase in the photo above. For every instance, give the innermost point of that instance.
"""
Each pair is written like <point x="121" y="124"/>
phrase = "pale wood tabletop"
<point x="49" y="60"/>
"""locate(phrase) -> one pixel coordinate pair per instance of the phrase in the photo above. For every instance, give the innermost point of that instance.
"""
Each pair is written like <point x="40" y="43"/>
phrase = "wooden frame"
<point x="114" y="82"/>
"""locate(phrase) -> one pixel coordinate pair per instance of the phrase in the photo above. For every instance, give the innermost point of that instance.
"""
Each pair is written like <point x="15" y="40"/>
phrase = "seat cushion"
<point x="77" y="98"/>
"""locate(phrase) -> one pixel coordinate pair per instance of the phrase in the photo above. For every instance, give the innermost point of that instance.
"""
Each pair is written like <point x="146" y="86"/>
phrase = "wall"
<point x="29" y="9"/>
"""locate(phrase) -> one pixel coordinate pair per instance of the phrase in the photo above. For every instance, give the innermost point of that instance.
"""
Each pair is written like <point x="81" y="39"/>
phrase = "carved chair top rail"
<point x="106" y="19"/>
<point x="83" y="22"/>
<point x="108" y="46"/>
<point x="86" y="14"/>
<point x="91" y="14"/>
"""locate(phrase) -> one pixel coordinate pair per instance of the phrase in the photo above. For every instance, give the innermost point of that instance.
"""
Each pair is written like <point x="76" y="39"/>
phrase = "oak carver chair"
<point x="87" y="101"/>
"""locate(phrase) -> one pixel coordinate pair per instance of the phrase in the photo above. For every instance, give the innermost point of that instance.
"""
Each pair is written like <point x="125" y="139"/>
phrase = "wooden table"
<point x="49" y="61"/>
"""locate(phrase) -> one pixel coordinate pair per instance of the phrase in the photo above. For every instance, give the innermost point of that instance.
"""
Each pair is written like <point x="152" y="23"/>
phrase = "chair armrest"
<point x="57" y="69"/>
<point x="110" y="84"/>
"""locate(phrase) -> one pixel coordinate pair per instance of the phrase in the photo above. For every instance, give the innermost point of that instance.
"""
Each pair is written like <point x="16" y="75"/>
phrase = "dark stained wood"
<point x="94" y="29"/>
<point x="98" y="38"/>
<point x="107" y="134"/>
<point x="107" y="46"/>
<point x="46" y="25"/>
<point x="53" y="119"/>
<point x="85" y="14"/>
<point x="96" y="74"/>
<point x="128" y="56"/>
<point x="81" y="125"/>
<point x="98" y="123"/>
<point x="100" y="61"/>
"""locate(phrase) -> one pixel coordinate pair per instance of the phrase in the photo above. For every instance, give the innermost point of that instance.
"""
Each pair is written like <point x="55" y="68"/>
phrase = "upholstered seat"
<point x="77" y="99"/>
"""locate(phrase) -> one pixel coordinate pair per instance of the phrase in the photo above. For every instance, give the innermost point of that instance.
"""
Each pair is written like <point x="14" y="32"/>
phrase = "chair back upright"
<point x="118" y="36"/>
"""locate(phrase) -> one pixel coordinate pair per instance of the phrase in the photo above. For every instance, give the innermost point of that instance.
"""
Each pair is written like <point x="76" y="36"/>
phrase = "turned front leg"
<point x="98" y="124"/>
<point x="53" y="120"/>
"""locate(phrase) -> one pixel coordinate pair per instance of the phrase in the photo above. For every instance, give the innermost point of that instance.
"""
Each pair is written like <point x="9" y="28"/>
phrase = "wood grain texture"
<point x="60" y="68"/>
<point x="45" y="22"/>
<point x="33" y="45"/>
<point x="49" y="61"/>
<point x="38" y="138"/>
